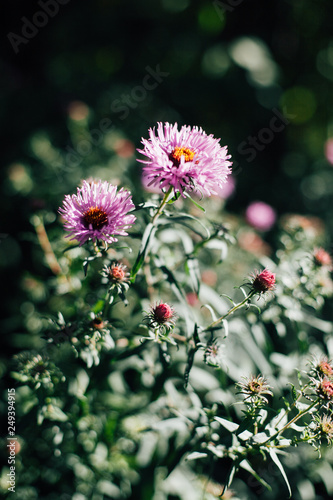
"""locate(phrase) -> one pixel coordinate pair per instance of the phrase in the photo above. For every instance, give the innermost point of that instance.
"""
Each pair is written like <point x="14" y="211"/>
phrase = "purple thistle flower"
<point x="98" y="212"/>
<point x="187" y="159"/>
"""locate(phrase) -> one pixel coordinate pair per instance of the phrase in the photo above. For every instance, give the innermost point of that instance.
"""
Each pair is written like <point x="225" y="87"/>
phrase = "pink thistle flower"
<point x="260" y="215"/>
<point x="97" y="212"/>
<point x="325" y="389"/>
<point x="263" y="282"/>
<point x="324" y="368"/>
<point x="186" y="159"/>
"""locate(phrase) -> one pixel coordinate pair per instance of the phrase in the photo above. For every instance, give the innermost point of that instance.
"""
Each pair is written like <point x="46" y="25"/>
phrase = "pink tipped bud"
<point x="324" y="368"/>
<point x="325" y="389"/>
<point x="264" y="281"/>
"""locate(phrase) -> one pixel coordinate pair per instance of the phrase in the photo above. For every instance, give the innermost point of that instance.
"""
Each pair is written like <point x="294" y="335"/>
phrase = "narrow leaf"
<point x="277" y="462"/>
<point x="230" y="426"/>
<point x="211" y="310"/>
<point x="246" y="466"/>
<point x="195" y="202"/>
<point x="195" y="455"/>
<point x="144" y="248"/>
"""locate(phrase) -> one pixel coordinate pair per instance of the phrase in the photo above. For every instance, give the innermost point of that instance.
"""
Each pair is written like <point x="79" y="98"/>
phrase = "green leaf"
<point x="98" y="307"/>
<point x="230" y="426"/>
<point x="190" y="356"/>
<point x="246" y="466"/>
<point x="215" y="244"/>
<point x="195" y="202"/>
<point x="229" y="478"/>
<point x="195" y="455"/>
<point x="181" y="219"/>
<point x="277" y="462"/>
<point x="174" y="198"/>
<point x="226" y="328"/>
<point x="211" y="310"/>
<point x="192" y="267"/>
<point x="144" y="248"/>
<point x="293" y="392"/>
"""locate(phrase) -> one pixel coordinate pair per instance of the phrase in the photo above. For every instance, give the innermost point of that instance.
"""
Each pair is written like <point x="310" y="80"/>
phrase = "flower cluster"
<point x="37" y="369"/>
<point x="187" y="159"/>
<point x="321" y="379"/>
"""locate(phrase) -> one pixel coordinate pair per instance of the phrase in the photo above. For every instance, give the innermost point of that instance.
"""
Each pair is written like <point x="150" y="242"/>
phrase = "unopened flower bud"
<point x="263" y="282"/>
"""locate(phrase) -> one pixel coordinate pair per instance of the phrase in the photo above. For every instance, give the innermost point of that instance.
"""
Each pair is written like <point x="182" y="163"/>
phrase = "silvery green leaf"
<point x="277" y="462"/>
<point x="279" y="421"/>
<point x="195" y="455"/>
<point x="211" y="310"/>
<point x="246" y="466"/>
<point x="245" y="435"/>
<point x="261" y="437"/>
<point x="230" y="426"/>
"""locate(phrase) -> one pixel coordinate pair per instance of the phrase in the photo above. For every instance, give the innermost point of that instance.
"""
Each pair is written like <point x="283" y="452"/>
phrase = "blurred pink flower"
<point x="329" y="150"/>
<point x="227" y="189"/>
<point x="260" y="215"/>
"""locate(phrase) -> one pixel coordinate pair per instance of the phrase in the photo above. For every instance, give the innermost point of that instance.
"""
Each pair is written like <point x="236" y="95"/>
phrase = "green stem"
<point x="107" y="304"/>
<point x="292" y="406"/>
<point x="292" y="421"/>
<point x="143" y="252"/>
<point x="232" y="310"/>
<point x="162" y="205"/>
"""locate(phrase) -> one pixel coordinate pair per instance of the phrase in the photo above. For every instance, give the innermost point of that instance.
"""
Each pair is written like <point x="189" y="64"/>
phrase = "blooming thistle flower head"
<point x="187" y="159"/>
<point x="322" y="258"/>
<point x="263" y="282"/>
<point x="161" y="315"/>
<point x="97" y="212"/>
<point x="255" y="389"/>
<point x="260" y="215"/>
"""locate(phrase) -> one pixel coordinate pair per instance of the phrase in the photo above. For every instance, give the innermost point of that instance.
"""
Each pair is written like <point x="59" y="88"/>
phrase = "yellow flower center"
<point x="96" y="217"/>
<point x="178" y="152"/>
